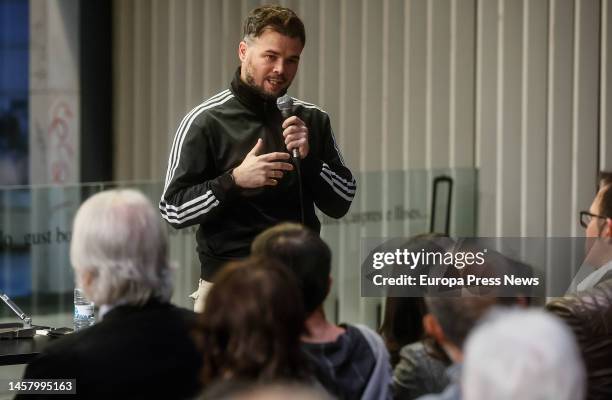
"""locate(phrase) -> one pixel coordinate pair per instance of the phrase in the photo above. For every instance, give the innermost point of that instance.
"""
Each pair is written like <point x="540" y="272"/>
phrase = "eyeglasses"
<point x="586" y="217"/>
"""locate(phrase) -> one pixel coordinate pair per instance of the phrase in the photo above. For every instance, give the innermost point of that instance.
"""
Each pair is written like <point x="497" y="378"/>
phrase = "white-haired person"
<point x="522" y="354"/>
<point x="141" y="346"/>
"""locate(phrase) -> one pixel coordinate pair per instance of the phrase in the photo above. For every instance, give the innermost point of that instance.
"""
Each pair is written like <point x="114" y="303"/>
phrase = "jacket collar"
<point x="253" y="99"/>
<point x="122" y="310"/>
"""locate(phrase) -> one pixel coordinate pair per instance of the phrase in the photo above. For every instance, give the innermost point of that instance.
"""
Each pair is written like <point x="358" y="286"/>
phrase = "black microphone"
<point x="285" y="106"/>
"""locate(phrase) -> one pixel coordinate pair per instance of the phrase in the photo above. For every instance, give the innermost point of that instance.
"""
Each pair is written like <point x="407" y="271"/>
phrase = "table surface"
<point x="21" y="351"/>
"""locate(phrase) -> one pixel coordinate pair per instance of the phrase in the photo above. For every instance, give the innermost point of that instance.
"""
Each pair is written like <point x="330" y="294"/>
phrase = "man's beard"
<point x="251" y="82"/>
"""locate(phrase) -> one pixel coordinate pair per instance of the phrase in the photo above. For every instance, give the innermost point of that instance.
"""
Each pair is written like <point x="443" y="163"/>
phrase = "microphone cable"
<point x="298" y="171"/>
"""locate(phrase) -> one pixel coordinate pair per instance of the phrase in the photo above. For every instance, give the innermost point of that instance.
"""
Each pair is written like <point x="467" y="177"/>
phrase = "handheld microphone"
<point x="285" y="106"/>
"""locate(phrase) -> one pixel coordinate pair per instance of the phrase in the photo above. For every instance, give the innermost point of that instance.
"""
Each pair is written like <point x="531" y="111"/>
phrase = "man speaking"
<point x="230" y="168"/>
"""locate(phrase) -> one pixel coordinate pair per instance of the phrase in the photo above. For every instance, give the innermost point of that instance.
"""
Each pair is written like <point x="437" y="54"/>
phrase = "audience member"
<point x="419" y="364"/>
<point x="351" y="361"/>
<point x="434" y="369"/>
<point x="521" y="354"/>
<point x="141" y="347"/>
<point x="402" y="324"/>
<point x="597" y="223"/>
<point x="589" y="315"/>
<point x="449" y="321"/>
<point x="251" y="325"/>
<point x="421" y="370"/>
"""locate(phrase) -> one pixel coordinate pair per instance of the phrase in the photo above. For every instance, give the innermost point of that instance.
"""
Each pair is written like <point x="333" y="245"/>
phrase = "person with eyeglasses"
<point x="597" y="222"/>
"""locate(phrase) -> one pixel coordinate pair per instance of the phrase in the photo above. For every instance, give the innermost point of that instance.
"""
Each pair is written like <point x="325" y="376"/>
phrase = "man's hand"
<point x="296" y="135"/>
<point x="261" y="170"/>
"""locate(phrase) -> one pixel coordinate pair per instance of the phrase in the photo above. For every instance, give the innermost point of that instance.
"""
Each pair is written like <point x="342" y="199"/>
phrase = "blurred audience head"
<point x="119" y="249"/>
<point x="251" y="325"/>
<point x="521" y="354"/>
<point x="450" y="320"/>
<point x="589" y="316"/>
<point x="304" y="253"/>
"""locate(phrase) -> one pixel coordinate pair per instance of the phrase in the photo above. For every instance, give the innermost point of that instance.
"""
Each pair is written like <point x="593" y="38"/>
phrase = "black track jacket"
<point x="214" y="138"/>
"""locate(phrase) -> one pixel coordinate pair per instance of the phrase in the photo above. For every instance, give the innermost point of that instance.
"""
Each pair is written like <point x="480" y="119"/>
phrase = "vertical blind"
<point x="519" y="90"/>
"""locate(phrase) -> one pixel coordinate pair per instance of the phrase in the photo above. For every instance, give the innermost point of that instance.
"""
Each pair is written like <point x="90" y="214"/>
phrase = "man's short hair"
<point x="277" y="18"/>
<point x="457" y="316"/>
<point x="302" y="251"/>
<point x="520" y="354"/>
<point x="118" y="238"/>
<point x="605" y="185"/>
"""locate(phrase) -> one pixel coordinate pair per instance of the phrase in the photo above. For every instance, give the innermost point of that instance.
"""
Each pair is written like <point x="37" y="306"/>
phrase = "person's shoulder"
<point x="605" y="282"/>
<point x="415" y="349"/>
<point x="309" y="108"/>
<point x="368" y="333"/>
<point x="215" y="100"/>
<point x="161" y="314"/>
<point x="218" y="101"/>
<point x="187" y="316"/>
<point x="415" y="356"/>
<point x="56" y="360"/>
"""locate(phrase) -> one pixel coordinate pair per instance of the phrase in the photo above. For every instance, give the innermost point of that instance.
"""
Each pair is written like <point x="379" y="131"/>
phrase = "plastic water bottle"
<point x="83" y="311"/>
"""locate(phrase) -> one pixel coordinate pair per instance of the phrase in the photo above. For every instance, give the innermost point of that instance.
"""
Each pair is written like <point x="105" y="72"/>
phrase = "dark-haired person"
<point x="350" y="361"/>
<point x="418" y="365"/>
<point x="230" y="170"/>
<point x="402" y="324"/>
<point x="449" y="320"/>
<point x="597" y="222"/>
<point x="251" y="325"/>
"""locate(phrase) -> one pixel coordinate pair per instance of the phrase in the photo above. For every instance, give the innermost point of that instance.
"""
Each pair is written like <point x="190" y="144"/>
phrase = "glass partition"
<point x="393" y="204"/>
<point x="36" y="224"/>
